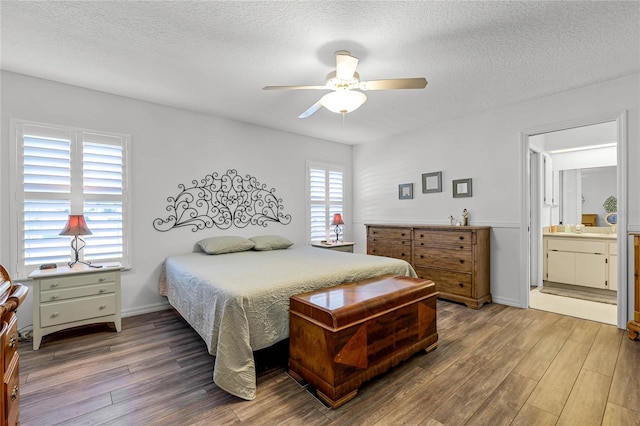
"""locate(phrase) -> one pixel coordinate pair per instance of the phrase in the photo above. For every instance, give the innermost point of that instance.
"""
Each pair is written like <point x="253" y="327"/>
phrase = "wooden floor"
<point x="495" y="366"/>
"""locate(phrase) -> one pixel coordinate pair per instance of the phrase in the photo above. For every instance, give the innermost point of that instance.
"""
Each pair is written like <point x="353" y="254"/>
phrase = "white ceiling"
<point x="214" y="57"/>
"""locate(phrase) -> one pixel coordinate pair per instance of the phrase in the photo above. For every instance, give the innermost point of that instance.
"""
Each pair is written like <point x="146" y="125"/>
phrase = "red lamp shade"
<point x="337" y="220"/>
<point x="76" y="225"/>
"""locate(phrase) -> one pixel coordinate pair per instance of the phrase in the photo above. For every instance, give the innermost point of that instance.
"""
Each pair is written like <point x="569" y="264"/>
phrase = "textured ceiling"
<point x="215" y="57"/>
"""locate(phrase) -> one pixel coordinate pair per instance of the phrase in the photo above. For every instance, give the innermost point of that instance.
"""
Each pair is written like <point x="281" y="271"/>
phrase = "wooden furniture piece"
<point x="344" y="246"/>
<point x="456" y="258"/>
<point x="589" y="219"/>
<point x="633" y="326"/>
<point x="11" y="296"/>
<point x="69" y="297"/>
<point x="342" y="336"/>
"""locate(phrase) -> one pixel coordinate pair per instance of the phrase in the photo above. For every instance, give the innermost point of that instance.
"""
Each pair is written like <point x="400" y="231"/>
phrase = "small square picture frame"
<point x="405" y="191"/>
<point x="431" y="182"/>
<point x="462" y="188"/>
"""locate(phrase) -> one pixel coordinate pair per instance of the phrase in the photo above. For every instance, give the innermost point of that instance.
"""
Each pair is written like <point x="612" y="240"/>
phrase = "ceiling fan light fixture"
<point x="343" y="101"/>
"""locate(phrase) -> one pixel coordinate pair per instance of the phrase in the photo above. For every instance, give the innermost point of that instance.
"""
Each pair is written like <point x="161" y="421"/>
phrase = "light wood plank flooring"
<point x="495" y="366"/>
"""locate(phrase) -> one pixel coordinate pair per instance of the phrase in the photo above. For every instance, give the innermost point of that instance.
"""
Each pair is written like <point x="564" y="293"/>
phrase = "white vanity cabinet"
<point x="579" y="260"/>
<point x="613" y="266"/>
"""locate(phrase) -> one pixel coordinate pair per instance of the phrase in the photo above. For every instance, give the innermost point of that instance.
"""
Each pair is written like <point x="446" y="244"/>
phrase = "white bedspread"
<point x="239" y="302"/>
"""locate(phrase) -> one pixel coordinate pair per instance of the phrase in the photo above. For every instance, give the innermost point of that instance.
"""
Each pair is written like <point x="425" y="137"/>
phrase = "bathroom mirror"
<point x="583" y="191"/>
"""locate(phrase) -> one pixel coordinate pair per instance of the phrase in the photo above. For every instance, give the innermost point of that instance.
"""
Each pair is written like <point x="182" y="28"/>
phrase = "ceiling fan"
<point x="344" y="81"/>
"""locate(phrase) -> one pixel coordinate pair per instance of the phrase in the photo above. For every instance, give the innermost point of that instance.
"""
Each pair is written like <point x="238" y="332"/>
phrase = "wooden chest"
<point x="342" y="336"/>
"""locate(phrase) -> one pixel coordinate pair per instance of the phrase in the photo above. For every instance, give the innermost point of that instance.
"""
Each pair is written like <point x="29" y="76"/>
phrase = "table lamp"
<point x="337" y="221"/>
<point x="76" y="225"/>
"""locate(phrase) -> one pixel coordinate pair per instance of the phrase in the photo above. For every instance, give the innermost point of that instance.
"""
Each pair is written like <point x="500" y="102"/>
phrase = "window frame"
<point x="327" y="167"/>
<point x="17" y="199"/>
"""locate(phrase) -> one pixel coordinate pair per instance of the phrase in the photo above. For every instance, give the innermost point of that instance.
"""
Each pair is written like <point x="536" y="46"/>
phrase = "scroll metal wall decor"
<point x="223" y="201"/>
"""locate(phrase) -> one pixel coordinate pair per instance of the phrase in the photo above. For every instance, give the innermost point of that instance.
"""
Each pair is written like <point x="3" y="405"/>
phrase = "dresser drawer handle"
<point x="461" y="285"/>
<point x="54" y="285"/>
<point x="55" y="297"/>
<point x="402" y="254"/>
<point x="12" y="341"/>
<point x="102" y="290"/>
<point x="421" y="244"/>
<point x="102" y="307"/>
<point x="461" y="261"/>
<point x="421" y="235"/>
<point x="55" y="314"/>
<point x="461" y="238"/>
<point x="101" y="280"/>
<point x="421" y="256"/>
<point x="461" y="247"/>
<point x="14" y="393"/>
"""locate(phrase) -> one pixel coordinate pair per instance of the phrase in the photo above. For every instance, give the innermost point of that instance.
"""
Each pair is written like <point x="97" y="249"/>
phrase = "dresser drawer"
<point x="442" y="258"/>
<point x="10" y="340"/>
<point x="55" y="313"/>
<point x="448" y="282"/>
<point x="401" y="250"/>
<point x="11" y="391"/>
<point x="389" y="233"/>
<point x="73" y="292"/>
<point x="443" y="238"/>
<point x="76" y="280"/>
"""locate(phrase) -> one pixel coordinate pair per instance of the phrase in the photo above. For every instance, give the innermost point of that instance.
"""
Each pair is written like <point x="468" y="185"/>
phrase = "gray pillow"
<point x="226" y="244"/>
<point x="270" y="242"/>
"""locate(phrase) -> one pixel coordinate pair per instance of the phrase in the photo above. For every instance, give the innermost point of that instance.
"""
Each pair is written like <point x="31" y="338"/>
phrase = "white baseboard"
<point x="140" y="310"/>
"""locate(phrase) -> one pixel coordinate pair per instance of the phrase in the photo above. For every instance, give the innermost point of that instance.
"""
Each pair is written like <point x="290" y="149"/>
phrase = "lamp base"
<point x="75" y="262"/>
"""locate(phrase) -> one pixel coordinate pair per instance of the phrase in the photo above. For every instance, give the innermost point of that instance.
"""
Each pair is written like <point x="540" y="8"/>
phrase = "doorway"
<point x="555" y="196"/>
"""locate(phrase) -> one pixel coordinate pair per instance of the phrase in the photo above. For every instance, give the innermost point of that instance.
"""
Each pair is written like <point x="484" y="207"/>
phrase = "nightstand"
<point x="69" y="297"/>
<point x="344" y="246"/>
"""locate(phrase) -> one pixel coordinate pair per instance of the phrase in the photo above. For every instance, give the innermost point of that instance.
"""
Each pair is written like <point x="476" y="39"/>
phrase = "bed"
<point x="239" y="302"/>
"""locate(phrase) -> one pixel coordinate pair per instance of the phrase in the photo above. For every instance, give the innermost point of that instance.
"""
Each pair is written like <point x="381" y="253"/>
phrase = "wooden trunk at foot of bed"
<point x="342" y="336"/>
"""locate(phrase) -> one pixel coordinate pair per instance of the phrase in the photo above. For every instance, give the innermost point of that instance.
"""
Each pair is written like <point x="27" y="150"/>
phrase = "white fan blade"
<point x="396" y="83"/>
<point x="294" y="87"/>
<point x="345" y="65"/>
<point x="313" y="108"/>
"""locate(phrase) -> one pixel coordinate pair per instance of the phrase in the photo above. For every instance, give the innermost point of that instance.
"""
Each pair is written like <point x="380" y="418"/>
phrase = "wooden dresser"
<point x="456" y="258"/>
<point x="11" y="296"/>
<point x="634" y="325"/>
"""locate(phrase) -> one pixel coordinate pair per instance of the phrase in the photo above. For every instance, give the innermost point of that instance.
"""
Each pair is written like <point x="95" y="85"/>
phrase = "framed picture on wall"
<point x="405" y="191"/>
<point x="431" y="182"/>
<point x="462" y="188"/>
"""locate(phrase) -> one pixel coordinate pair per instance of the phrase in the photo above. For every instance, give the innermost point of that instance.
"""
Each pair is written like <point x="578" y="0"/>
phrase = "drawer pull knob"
<point x="402" y="234"/>
<point x="461" y="261"/>
<point x="402" y="254"/>
<point x="102" y="290"/>
<point x="14" y="393"/>
<point x="54" y="285"/>
<point x="421" y="235"/>
<point x="421" y="244"/>
<point x="461" y="238"/>
<point x="461" y="285"/>
<point x="421" y="256"/>
<point x="102" y="279"/>
<point x="12" y="341"/>
<point x="461" y="247"/>
<point x="55" y="314"/>
<point x="54" y="297"/>
<point x="102" y="307"/>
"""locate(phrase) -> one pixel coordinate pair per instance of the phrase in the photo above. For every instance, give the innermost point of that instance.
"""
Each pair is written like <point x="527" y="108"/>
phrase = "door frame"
<point x="527" y="232"/>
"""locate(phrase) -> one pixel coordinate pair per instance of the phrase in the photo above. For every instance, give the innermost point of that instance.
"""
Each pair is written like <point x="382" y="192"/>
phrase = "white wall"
<point x="486" y="148"/>
<point x="169" y="146"/>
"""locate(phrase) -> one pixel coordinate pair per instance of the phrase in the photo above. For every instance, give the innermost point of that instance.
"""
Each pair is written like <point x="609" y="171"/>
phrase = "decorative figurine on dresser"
<point x="11" y="296"/>
<point x="455" y="258"/>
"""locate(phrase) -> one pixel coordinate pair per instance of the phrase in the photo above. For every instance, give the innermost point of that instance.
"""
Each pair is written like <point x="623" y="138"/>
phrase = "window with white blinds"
<point x="326" y="197"/>
<point x="62" y="171"/>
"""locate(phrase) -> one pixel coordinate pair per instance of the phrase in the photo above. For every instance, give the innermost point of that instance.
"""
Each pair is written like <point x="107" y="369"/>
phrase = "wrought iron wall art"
<point x="223" y="201"/>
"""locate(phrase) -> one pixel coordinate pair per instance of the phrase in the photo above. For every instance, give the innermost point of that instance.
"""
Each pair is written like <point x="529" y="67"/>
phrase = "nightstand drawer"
<point x="54" y="283"/>
<point x="72" y="293"/>
<point x="77" y="309"/>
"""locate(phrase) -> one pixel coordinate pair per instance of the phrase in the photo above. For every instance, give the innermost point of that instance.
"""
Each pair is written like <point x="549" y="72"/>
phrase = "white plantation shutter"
<point x="326" y="197"/>
<point x="62" y="171"/>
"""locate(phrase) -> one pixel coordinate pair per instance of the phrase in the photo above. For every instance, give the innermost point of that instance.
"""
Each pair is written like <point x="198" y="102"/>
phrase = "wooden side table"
<point x="343" y="246"/>
<point x="69" y="297"/>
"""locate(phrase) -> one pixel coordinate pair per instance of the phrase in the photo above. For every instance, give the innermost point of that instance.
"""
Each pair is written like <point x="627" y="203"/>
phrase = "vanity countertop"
<point x="590" y="235"/>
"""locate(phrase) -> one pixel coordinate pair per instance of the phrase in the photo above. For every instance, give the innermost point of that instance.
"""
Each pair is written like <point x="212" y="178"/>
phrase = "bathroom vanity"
<point x="586" y="259"/>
